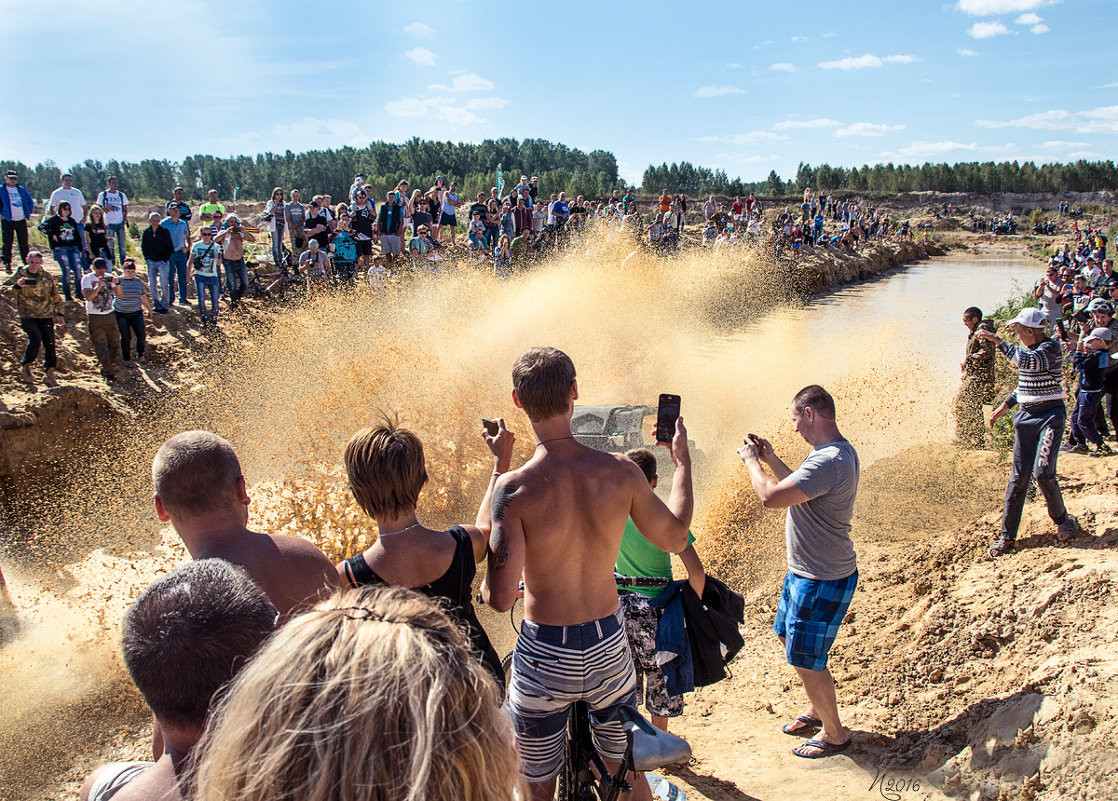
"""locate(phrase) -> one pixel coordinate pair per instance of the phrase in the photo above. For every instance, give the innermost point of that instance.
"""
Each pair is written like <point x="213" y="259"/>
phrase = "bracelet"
<point x="497" y="473"/>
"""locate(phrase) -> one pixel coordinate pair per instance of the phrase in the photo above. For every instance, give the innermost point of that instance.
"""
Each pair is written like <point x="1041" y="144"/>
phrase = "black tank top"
<point x="453" y="589"/>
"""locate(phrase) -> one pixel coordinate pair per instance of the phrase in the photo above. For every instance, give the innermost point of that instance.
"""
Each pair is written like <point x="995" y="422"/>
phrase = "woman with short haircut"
<point x="371" y="695"/>
<point x="387" y="471"/>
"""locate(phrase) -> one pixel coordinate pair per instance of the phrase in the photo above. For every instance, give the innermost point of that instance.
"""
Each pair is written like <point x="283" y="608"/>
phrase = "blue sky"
<point x="745" y="86"/>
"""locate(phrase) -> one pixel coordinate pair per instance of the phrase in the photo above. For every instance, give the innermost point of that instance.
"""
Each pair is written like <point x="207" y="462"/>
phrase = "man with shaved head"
<point x="201" y="491"/>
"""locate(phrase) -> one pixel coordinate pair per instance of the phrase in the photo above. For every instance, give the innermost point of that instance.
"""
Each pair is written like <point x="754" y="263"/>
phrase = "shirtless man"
<point x="200" y="490"/>
<point x="184" y="639"/>
<point x="558" y="521"/>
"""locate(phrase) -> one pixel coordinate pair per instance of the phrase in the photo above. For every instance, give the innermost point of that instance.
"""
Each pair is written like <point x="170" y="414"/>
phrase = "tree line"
<point x="975" y="177"/>
<point x="472" y="165"/>
<point x="559" y="167"/>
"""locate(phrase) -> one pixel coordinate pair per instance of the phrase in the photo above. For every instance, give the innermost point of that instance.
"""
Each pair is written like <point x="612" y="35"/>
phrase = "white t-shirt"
<point x="113" y="203"/>
<point x="102" y="302"/>
<point x="72" y="196"/>
<point x="16" y="202"/>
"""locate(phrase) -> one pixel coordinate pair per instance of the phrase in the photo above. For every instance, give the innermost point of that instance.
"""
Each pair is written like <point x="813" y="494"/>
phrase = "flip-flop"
<point x="825" y="749"/>
<point x="809" y="725"/>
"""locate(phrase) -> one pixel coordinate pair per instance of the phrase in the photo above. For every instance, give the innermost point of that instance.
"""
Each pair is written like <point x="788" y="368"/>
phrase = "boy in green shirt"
<point x="639" y="557"/>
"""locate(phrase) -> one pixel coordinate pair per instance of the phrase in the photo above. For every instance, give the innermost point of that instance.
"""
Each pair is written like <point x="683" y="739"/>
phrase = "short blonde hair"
<point x="373" y="694"/>
<point x="386" y="469"/>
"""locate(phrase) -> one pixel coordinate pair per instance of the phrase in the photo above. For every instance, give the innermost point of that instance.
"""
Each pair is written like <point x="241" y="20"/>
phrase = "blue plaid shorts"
<point x="809" y="615"/>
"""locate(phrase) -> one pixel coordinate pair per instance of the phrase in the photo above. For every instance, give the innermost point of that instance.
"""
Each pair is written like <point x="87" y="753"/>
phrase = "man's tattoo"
<point x="501" y="553"/>
<point x="501" y="497"/>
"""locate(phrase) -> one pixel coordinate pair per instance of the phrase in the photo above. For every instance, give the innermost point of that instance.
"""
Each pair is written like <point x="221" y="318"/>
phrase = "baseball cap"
<point x="1100" y="333"/>
<point x="99" y="262"/>
<point x="11" y="174"/>
<point x="1031" y="318"/>
<point x="1101" y="306"/>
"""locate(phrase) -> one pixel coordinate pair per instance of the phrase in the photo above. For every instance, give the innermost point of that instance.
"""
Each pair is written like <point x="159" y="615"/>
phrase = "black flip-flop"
<point x="825" y="749"/>
<point x="810" y="725"/>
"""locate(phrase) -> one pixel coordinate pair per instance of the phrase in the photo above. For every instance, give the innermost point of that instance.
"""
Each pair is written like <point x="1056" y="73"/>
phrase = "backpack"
<point x="344" y="247"/>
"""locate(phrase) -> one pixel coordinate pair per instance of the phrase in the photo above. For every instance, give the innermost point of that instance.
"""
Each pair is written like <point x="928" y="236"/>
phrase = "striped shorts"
<point x="809" y="615"/>
<point x="554" y="666"/>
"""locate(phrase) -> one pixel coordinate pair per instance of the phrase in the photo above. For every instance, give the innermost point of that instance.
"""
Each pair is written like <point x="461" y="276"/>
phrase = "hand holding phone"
<point x="500" y="442"/>
<point x="666" y="414"/>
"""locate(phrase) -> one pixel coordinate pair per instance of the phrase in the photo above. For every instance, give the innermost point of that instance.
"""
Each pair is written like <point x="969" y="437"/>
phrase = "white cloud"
<point x="784" y="66"/>
<point x="408" y="107"/>
<point x="1084" y="154"/>
<point x="421" y="56"/>
<point x="926" y="150"/>
<point x="750" y="138"/>
<point x="1101" y="120"/>
<point x="738" y="158"/>
<point x="862" y="62"/>
<point x="1028" y="19"/>
<point x="829" y="35"/>
<point x="867" y="129"/>
<point x="966" y="52"/>
<point x="1057" y="144"/>
<point x="986" y="30"/>
<point x="459" y="115"/>
<point x="765" y="43"/>
<point x="799" y="38"/>
<point x="445" y="107"/>
<point x="486" y="102"/>
<point x="419" y="30"/>
<point x="718" y="91"/>
<point x="984" y="8"/>
<point x="334" y="130"/>
<point x="1041" y="28"/>
<point x="820" y="122"/>
<point x="733" y="66"/>
<point x="470" y="82"/>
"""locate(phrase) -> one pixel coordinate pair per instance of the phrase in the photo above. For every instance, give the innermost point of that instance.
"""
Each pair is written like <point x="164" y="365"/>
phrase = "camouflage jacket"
<point x="979" y="363"/>
<point x="41" y="299"/>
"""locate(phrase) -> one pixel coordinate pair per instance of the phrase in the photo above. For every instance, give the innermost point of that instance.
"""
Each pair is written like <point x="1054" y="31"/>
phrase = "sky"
<point x="744" y="86"/>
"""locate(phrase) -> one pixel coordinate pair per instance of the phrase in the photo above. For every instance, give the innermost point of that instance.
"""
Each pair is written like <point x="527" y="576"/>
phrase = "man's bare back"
<point x="293" y="573"/>
<point x="559" y="520"/>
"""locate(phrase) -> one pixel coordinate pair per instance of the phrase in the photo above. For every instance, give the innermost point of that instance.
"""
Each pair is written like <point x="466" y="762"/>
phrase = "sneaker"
<point x="1066" y="530"/>
<point x="1102" y="450"/>
<point x="25" y="374"/>
<point x="1080" y="448"/>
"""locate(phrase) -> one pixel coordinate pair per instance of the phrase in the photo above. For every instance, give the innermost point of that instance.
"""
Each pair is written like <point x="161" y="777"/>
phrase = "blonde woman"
<point x="371" y="695"/>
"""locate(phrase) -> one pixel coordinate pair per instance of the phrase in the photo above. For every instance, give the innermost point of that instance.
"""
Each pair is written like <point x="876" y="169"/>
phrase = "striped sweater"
<point x="1039" y="372"/>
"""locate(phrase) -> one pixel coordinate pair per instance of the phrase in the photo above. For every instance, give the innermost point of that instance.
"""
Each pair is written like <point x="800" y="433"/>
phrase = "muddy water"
<point x="439" y="354"/>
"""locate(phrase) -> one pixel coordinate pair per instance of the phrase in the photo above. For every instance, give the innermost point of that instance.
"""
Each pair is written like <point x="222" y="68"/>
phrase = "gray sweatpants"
<point x="1036" y="444"/>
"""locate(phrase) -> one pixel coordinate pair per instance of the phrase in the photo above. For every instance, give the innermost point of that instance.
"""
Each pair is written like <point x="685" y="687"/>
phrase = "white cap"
<point x="1031" y="318"/>
<point x="1102" y="334"/>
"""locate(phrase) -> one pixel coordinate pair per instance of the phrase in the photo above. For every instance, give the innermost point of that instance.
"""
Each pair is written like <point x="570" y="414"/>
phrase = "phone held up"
<point x="666" y="415"/>
<point x="490" y="426"/>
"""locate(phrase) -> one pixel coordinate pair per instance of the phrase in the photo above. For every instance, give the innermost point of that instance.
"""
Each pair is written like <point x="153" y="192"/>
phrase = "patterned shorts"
<point x="641" y="620"/>
<point x="554" y="666"/>
<point x="809" y="616"/>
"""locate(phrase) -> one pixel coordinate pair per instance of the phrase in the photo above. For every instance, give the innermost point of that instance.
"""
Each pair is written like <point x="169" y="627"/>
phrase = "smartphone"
<point x="1061" y="329"/>
<point x="666" y="416"/>
<point x="490" y="426"/>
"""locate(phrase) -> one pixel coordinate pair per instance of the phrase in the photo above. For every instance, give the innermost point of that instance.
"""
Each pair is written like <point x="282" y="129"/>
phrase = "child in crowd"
<point x="377" y="273"/>
<point x="1090" y="361"/>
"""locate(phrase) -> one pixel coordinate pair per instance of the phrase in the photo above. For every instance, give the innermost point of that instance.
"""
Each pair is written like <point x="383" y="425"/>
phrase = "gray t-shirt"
<point x="134" y="290"/>
<point x="817" y="532"/>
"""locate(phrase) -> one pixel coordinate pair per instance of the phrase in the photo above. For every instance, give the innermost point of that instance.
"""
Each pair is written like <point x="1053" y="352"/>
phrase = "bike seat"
<point x="651" y="747"/>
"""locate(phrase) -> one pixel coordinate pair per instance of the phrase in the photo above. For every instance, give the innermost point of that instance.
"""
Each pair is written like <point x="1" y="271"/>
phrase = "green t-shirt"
<point x="639" y="557"/>
<point x="209" y="208"/>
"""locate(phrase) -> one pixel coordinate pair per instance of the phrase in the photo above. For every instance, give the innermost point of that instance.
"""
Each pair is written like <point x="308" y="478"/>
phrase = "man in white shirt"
<point x="115" y="204"/>
<point x="97" y="289"/>
<point x="16" y="206"/>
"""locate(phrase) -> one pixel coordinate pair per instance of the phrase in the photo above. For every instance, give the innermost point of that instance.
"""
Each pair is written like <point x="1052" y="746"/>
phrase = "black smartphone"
<point x="490" y="426"/>
<point x="1061" y="329"/>
<point x="666" y="416"/>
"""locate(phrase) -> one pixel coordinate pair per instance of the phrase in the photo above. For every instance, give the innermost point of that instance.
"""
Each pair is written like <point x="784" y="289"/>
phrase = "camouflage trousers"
<point x="970" y="424"/>
<point x="641" y="619"/>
